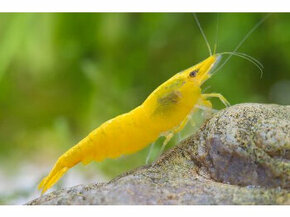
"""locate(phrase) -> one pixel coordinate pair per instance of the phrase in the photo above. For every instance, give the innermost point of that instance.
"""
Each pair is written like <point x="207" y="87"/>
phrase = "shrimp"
<point x="163" y="113"/>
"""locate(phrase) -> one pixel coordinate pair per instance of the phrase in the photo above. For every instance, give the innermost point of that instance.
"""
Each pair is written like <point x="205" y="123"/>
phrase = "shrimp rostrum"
<point x="164" y="113"/>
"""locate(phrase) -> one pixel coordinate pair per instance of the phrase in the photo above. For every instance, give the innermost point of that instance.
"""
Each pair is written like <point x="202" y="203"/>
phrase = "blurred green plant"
<point x="62" y="75"/>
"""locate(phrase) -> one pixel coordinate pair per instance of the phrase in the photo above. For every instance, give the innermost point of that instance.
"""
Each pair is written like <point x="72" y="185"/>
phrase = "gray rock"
<point x="241" y="155"/>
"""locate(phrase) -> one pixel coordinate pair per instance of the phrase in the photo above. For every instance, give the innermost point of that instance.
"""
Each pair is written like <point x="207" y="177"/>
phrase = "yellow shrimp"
<point x="164" y="112"/>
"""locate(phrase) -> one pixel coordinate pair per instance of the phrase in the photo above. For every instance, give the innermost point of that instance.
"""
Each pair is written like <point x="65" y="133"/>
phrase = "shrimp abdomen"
<point x="121" y="135"/>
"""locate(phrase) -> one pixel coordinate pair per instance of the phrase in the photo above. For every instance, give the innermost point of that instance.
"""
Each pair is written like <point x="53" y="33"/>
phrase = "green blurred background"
<point x="62" y="75"/>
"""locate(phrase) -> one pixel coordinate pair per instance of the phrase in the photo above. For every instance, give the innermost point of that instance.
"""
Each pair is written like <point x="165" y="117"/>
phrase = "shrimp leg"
<point x="167" y="139"/>
<point x="217" y="95"/>
<point x="171" y="134"/>
<point x="149" y="153"/>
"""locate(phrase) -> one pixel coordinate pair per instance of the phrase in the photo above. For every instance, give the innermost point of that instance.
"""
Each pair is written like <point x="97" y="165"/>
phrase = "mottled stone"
<point x="247" y="144"/>
<point x="241" y="155"/>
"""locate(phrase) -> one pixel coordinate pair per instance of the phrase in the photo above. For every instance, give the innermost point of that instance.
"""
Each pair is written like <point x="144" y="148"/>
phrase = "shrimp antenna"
<point x="247" y="57"/>
<point x="243" y="40"/>
<point x="216" y="34"/>
<point x="203" y="35"/>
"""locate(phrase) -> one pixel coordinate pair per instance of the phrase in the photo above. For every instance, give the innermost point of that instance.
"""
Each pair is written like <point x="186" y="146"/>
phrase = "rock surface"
<point x="241" y="155"/>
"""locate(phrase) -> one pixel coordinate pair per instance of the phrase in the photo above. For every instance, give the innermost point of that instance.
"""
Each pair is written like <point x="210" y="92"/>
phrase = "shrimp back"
<point x="165" y="110"/>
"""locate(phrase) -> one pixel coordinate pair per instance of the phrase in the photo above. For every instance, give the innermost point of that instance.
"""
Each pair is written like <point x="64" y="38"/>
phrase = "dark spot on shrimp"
<point x="170" y="98"/>
<point x="167" y="102"/>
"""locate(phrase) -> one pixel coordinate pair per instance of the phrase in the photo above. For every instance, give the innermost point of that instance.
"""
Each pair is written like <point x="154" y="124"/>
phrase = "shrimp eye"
<point x="193" y="73"/>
